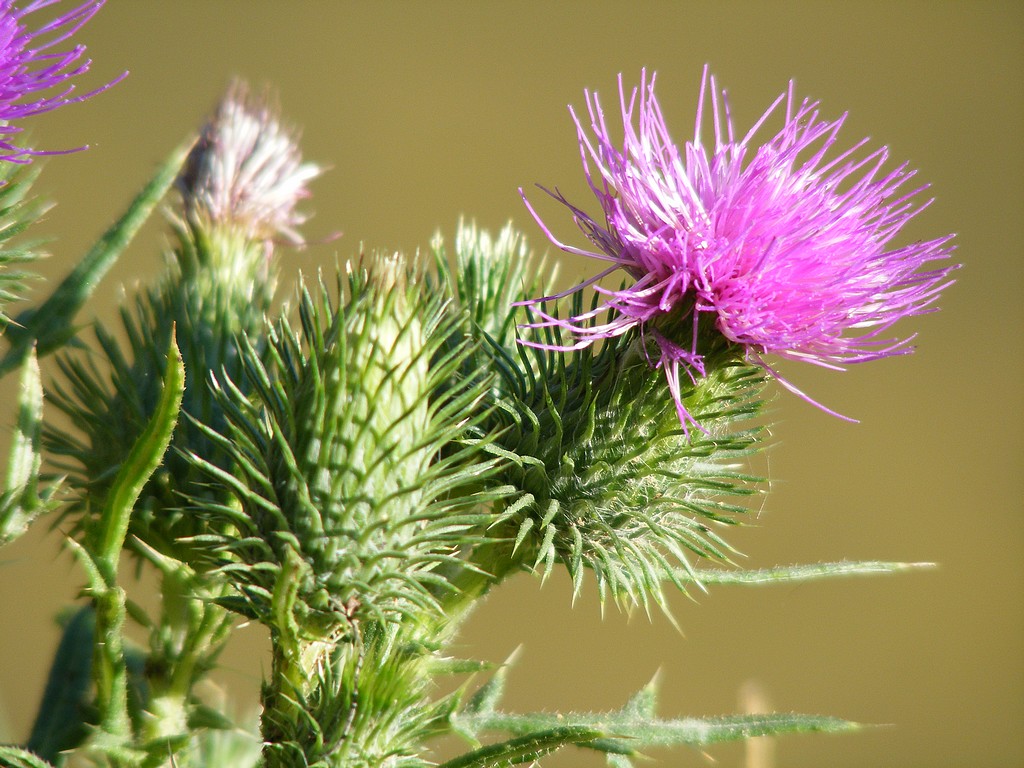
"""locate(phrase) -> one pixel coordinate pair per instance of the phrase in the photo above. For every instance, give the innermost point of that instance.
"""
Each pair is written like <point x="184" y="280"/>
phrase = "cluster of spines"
<point x="606" y="478"/>
<point x="368" y="706"/>
<point x="319" y="461"/>
<point x="18" y="211"/>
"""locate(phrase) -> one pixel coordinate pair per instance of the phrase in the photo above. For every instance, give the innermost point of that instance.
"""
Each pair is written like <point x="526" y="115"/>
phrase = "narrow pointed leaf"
<point x="644" y="703"/>
<point x="524" y="749"/>
<point x="51" y="325"/>
<point x="60" y="724"/>
<point x="15" y="757"/>
<point x="146" y="455"/>
<point x="487" y="697"/>
<point x="625" y="733"/>
<point x="19" y="503"/>
<point x="797" y="573"/>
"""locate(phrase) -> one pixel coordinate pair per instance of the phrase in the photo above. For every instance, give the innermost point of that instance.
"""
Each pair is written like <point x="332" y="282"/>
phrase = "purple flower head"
<point x="35" y="78"/>
<point x="784" y="247"/>
<point x="246" y="171"/>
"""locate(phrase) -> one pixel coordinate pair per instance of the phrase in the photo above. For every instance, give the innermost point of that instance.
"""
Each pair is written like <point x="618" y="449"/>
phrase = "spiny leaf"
<point x="60" y="723"/>
<point x="524" y="749"/>
<point x="643" y="703"/>
<point x="15" y="757"/>
<point x="446" y="665"/>
<point x="24" y="457"/>
<point x="487" y="697"/>
<point x="635" y="726"/>
<point x="625" y="733"/>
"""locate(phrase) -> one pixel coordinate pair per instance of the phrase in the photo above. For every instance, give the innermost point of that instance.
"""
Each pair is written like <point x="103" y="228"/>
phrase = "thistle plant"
<point x="355" y="463"/>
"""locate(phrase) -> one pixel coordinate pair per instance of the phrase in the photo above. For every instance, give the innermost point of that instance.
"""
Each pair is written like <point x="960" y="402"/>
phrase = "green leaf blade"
<point x="799" y="573"/>
<point x="15" y="757"/>
<point x="50" y="325"/>
<point x="19" y="502"/>
<point x="626" y="733"/>
<point x="524" y="749"/>
<point x="60" y="723"/>
<point x="145" y="456"/>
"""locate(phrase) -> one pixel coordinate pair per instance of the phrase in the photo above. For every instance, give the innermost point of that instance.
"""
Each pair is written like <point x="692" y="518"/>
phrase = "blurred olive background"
<point x="428" y="112"/>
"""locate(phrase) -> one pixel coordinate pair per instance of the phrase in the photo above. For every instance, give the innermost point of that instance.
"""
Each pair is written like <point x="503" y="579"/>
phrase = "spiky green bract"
<point x="353" y="470"/>
<point x="607" y="478"/>
<point x="18" y="211"/>
<point x="488" y="276"/>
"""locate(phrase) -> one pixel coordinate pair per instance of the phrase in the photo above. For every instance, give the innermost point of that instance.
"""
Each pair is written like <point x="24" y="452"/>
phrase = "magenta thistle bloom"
<point x="34" y="78"/>
<point x="784" y="247"/>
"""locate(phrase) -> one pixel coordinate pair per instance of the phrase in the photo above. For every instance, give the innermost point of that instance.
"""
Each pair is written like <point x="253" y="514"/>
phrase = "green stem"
<point x="112" y="677"/>
<point x="192" y="631"/>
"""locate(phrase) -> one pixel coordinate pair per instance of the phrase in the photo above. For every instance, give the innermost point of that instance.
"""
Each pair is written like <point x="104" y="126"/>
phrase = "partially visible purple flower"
<point x="246" y="171"/>
<point x="784" y="247"/>
<point x="30" y="69"/>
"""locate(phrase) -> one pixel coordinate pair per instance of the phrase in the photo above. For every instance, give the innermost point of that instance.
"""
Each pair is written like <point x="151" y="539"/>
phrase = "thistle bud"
<point x="240" y="190"/>
<point x="246" y="171"/>
<point x="361" y="413"/>
<point x="357" y="426"/>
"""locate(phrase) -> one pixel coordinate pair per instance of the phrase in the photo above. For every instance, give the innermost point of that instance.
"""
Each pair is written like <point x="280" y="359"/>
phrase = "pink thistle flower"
<point x="246" y="171"/>
<point x="30" y="69"/>
<point x="783" y="247"/>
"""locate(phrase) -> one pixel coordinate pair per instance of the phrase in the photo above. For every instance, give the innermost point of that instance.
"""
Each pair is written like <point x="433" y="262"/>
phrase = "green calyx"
<point x="606" y="477"/>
